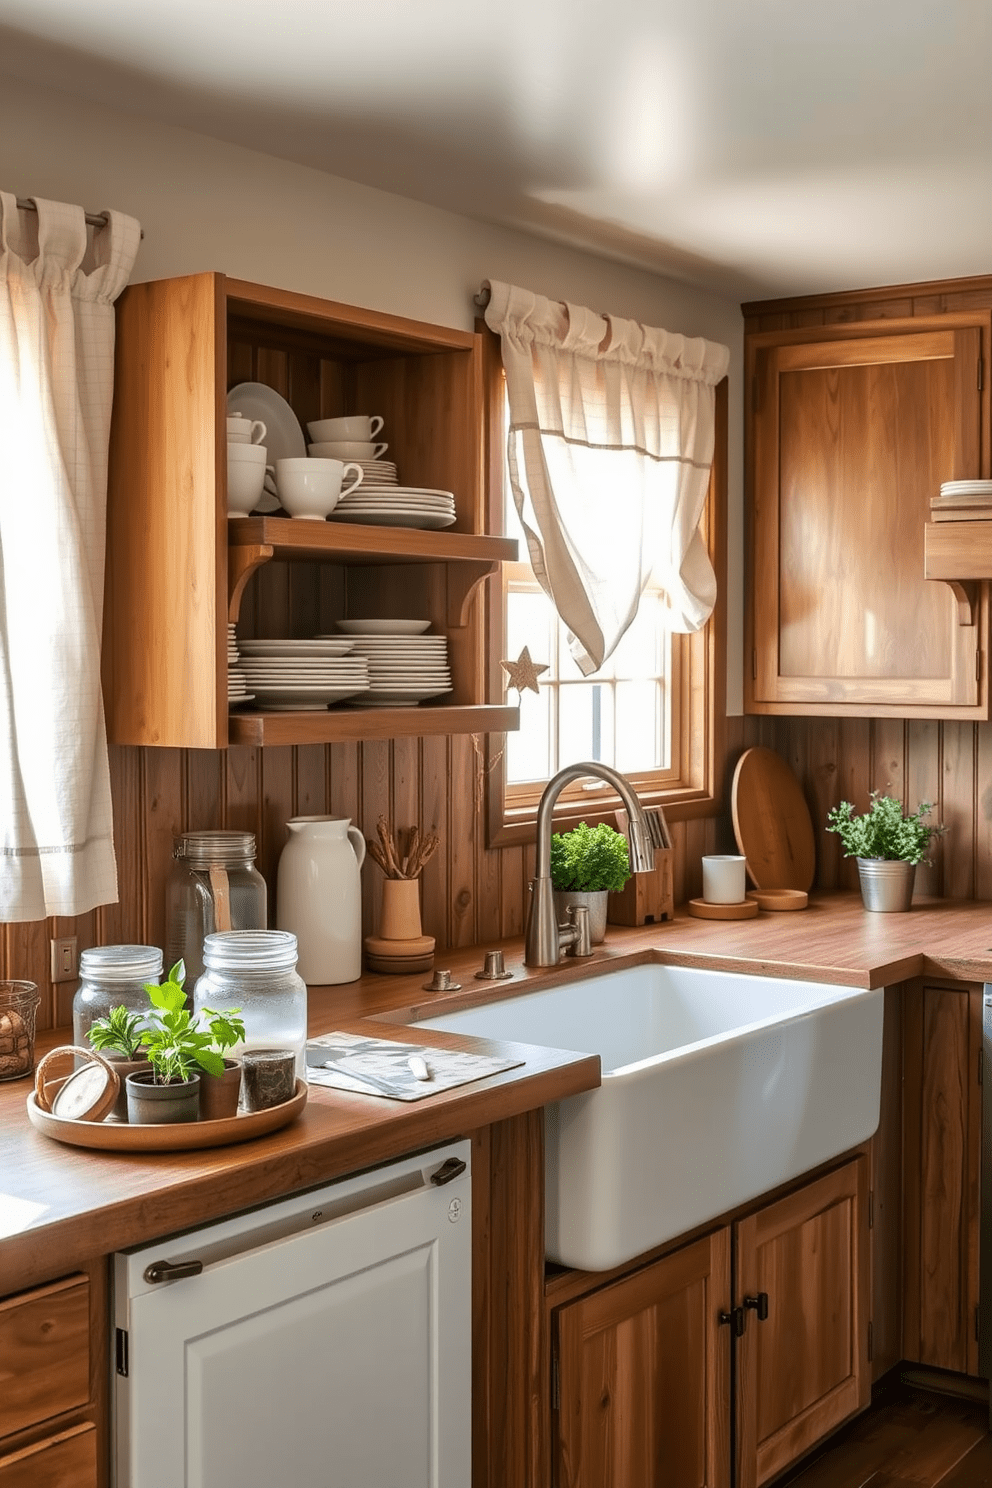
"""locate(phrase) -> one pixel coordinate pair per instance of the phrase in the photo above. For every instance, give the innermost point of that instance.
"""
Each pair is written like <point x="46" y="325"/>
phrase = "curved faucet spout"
<point x="543" y="942"/>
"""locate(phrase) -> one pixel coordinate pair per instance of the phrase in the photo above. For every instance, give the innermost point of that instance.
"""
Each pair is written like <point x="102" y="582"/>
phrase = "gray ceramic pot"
<point x="122" y="1068"/>
<point x="595" y="902"/>
<point x="886" y="884"/>
<point x="154" y="1105"/>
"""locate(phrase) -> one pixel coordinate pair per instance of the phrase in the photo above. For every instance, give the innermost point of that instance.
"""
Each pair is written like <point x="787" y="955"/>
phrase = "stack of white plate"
<point x="303" y="676"/>
<point x="237" y="686"/>
<point x="962" y="501"/>
<point x="377" y="473"/>
<point x="405" y="667"/>
<point x="396" y="506"/>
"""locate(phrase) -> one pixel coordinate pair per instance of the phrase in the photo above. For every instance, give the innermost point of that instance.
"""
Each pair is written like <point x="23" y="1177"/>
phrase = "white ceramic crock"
<point x="319" y="897"/>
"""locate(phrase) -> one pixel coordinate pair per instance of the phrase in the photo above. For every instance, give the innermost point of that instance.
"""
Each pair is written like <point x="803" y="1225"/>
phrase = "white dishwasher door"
<point x="324" y="1340"/>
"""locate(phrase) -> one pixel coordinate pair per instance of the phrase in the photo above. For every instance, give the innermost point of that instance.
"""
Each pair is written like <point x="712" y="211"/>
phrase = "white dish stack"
<point x="379" y="500"/>
<point x="237" y="685"/>
<point x="963" y="501"/>
<point x="291" y="676"/>
<point x="404" y="669"/>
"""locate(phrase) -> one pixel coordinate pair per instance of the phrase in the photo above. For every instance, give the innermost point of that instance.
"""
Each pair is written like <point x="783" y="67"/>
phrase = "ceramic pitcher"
<point x="319" y="897"/>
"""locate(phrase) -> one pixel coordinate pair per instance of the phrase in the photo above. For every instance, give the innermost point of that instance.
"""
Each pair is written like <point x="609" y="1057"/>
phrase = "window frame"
<point x="699" y="660"/>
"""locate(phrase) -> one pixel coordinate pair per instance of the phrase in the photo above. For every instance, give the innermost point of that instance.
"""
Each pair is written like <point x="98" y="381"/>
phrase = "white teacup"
<point x="241" y="430"/>
<point x="360" y="426"/>
<point x="311" y="489"/>
<point x="724" y="880"/>
<point x="246" y="469"/>
<point x="346" y="449"/>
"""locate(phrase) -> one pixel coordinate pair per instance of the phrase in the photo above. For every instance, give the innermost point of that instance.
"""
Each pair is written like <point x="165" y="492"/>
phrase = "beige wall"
<point x="205" y="204"/>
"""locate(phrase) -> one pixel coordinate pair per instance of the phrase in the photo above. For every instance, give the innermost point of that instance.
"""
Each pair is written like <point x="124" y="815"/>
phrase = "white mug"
<point x="244" y="479"/>
<point x="360" y="426"/>
<point x="724" y="879"/>
<point x="311" y="489"/>
<point x="347" y="449"/>
<point x="242" y="430"/>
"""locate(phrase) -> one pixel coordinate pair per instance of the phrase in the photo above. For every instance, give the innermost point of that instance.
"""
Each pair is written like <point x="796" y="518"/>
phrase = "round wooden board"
<point x="181" y="1136"/>
<point x="772" y="823"/>
<point x="778" y="900"/>
<point x="746" y="910"/>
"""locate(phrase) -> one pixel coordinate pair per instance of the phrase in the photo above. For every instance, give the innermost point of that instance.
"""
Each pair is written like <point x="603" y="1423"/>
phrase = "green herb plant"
<point x="588" y="859"/>
<point x="177" y="1046"/>
<point x="883" y="831"/>
<point x="120" y="1032"/>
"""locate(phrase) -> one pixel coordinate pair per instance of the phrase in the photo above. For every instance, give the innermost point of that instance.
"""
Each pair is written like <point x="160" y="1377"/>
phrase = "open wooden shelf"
<point x="959" y="553"/>
<point x="349" y="542"/>
<point x="338" y="725"/>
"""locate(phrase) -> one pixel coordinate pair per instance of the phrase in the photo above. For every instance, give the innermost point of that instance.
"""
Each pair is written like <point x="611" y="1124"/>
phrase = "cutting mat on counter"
<point x="772" y="823"/>
<point x="371" y="1066"/>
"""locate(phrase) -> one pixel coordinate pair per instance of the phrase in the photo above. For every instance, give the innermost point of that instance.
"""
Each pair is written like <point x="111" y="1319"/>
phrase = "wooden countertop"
<point x="60" y="1206"/>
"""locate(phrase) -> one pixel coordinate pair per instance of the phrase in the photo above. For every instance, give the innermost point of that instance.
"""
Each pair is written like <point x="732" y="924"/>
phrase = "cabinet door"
<point x="804" y="1367"/>
<point x="941" y="1167"/>
<point x="64" y="1461"/>
<point x="851" y="439"/>
<point x="644" y="1377"/>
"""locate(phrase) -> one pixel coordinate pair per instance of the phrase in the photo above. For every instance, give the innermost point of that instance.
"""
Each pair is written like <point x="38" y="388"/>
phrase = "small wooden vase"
<point x="400" y="946"/>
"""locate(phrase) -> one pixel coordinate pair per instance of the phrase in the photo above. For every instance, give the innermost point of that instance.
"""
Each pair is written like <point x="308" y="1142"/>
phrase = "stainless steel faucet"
<point x="545" y="938"/>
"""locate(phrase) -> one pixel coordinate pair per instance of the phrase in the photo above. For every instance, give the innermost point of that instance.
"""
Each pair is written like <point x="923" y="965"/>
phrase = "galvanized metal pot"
<point x="595" y="901"/>
<point x="886" y="884"/>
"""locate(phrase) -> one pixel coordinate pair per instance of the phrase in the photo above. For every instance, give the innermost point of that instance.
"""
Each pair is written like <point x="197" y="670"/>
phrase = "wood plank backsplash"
<point x="472" y="894"/>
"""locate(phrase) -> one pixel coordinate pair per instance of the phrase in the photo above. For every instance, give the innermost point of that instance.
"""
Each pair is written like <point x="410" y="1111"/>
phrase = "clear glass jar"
<point x="255" y="970"/>
<point x="214" y="886"/>
<point x="111" y="976"/>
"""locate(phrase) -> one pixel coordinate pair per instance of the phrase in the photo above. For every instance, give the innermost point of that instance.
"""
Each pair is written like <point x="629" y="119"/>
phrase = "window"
<point x="653" y="711"/>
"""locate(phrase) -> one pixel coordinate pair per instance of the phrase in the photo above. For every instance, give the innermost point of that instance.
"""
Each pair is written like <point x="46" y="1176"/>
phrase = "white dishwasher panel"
<point x="327" y="1341"/>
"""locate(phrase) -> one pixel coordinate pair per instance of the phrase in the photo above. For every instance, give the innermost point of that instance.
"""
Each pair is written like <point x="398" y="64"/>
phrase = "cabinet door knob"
<point x="172" y="1270"/>
<point x="735" y="1317"/>
<point x="758" y="1304"/>
<point x="447" y="1171"/>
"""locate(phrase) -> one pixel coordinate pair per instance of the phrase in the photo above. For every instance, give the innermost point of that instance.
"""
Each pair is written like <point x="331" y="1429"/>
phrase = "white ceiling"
<point x="751" y="146"/>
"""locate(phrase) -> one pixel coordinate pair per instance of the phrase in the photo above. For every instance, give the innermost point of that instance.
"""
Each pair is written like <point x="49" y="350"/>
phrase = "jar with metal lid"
<point x="214" y="887"/>
<point x="112" y="976"/>
<point x="255" y="970"/>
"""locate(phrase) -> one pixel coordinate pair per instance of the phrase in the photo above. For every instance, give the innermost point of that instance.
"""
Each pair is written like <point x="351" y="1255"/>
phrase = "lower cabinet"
<point x="68" y="1460"/>
<point x="644" y="1364"/>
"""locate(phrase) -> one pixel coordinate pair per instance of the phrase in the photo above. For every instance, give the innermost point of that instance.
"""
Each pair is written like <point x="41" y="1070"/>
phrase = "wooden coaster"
<point x="779" y="899"/>
<point x="746" y="910"/>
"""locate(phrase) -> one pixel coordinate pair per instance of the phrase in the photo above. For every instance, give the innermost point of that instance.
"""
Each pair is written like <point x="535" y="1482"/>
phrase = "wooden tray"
<point x="703" y="910"/>
<point x="180" y="1136"/>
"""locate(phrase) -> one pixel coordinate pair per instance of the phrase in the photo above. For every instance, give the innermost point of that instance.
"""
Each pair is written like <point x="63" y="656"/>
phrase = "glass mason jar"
<point x="255" y="970"/>
<point x="214" y="886"/>
<point x="111" y="976"/>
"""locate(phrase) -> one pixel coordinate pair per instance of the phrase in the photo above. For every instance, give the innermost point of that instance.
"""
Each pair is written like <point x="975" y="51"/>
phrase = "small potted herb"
<point x="177" y="1050"/>
<point x="587" y="864"/>
<point x="219" y="1093"/>
<point x="887" y="844"/>
<point x="119" y="1038"/>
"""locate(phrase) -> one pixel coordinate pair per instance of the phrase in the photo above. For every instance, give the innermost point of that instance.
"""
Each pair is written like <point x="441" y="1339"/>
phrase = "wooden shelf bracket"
<point x="463" y="580"/>
<point x="242" y="562"/>
<point x="965" y="591"/>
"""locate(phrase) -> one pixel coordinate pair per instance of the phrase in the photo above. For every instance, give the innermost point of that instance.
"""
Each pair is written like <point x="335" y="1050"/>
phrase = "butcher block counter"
<point x="62" y="1205"/>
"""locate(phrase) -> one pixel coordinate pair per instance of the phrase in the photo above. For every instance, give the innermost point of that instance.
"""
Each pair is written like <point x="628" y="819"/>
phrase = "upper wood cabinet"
<point x="851" y="430"/>
<point x="178" y="571"/>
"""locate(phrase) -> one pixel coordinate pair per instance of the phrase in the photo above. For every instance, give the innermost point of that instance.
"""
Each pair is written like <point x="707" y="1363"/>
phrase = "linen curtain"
<point x="57" y="290"/>
<point x="609" y="449"/>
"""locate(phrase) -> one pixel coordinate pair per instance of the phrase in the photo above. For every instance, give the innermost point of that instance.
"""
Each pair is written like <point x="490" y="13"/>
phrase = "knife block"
<point x="646" y="898"/>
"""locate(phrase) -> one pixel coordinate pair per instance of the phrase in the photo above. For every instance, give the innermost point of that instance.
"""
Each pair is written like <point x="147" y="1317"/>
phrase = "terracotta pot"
<point x="149" y="1104"/>
<point x="124" y="1067"/>
<point x="400" y="919"/>
<point x="219" y="1093"/>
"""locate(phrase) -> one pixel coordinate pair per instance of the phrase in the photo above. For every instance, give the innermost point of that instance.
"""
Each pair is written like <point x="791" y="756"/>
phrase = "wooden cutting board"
<point x="772" y="822"/>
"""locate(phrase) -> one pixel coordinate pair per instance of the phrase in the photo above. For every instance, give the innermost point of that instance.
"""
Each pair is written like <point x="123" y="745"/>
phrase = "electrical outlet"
<point x="65" y="959"/>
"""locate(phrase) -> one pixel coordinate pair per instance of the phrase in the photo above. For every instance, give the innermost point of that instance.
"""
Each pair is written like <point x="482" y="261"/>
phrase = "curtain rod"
<point x="483" y="297"/>
<point x="94" y="219"/>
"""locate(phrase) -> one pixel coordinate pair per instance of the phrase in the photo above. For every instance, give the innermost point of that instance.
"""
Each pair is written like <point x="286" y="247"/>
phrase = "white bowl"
<point x="311" y="488"/>
<point x="360" y="426"/>
<point x="349" y="449"/>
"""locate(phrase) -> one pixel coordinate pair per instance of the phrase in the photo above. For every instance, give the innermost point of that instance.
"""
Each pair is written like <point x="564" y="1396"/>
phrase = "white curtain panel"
<point x="609" y="449"/>
<point x="57" y="291"/>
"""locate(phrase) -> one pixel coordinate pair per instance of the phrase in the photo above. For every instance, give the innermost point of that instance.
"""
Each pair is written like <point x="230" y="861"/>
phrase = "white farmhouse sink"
<point x="716" y="1088"/>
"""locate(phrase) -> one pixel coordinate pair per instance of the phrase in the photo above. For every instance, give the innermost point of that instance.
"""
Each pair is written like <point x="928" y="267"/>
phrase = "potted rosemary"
<point x="587" y="864"/>
<point x="177" y="1050"/>
<point x="887" y="844"/>
<point x="119" y="1037"/>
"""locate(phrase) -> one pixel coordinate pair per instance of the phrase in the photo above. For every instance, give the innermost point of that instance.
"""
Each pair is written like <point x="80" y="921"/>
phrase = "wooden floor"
<point x="908" y="1436"/>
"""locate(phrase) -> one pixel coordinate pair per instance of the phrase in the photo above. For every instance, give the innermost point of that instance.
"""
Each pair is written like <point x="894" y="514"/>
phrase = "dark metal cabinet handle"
<point x="735" y="1317"/>
<point x="172" y="1270"/>
<point x="447" y="1171"/>
<point x="758" y="1304"/>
